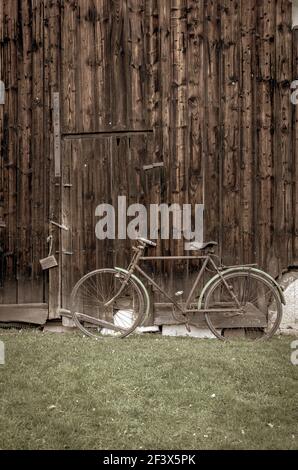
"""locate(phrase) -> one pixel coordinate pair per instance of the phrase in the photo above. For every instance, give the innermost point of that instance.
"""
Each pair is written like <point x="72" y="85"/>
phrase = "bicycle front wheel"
<point x="96" y="319"/>
<point x="260" y="311"/>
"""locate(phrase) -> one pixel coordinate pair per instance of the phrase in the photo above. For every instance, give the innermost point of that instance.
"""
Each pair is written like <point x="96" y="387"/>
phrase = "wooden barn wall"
<point x="200" y="86"/>
<point x="23" y="169"/>
<point x="29" y="67"/>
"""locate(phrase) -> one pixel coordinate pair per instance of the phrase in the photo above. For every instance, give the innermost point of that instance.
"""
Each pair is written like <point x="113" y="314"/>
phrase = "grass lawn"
<point x="148" y="392"/>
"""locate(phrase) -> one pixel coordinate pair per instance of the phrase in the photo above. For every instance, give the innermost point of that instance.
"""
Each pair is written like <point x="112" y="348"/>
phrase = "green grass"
<point x="148" y="392"/>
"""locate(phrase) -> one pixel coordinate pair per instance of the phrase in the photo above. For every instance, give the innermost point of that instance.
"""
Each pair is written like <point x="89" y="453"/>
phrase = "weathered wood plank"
<point x="136" y="53"/>
<point x="210" y="86"/>
<point x="295" y="149"/>
<point x="24" y="154"/>
<point x="230" y="35"/>
<point x="197" y="120"/>
<point x="68" y="66"/>
<point x="179" y="113"/>
<point x="86" y="16"/>
<point x="9" y="150"/>
<point x="163" y="315"/>
<point x="39" y="179"/>
<point x="154" y="189"/>
<point x="67" y="221"/>
<point x="283" y="162"/>
<point x="248" y="123"/>
<point x="53" y="58"/>
<point x="36" y="314"/>
<point x="265" y="130"/>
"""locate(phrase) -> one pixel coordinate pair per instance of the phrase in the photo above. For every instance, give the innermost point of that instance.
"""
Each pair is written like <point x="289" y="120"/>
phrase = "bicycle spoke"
<point x="92" y="293"/>
<point x="259" y="300"/>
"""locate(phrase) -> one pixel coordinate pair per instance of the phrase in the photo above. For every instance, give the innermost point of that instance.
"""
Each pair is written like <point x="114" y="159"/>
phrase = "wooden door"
<point x="97" y="170"/>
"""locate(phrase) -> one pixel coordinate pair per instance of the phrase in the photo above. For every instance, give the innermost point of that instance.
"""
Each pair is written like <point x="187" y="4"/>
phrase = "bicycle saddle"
<point x="196" y="246"/>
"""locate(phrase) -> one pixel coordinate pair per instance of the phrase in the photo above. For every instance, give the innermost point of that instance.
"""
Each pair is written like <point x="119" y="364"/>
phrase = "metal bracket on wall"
<point x="153" y="165"/>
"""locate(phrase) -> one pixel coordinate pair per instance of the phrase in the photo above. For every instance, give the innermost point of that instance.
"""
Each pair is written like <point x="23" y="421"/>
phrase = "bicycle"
<point x="114" y="302"/>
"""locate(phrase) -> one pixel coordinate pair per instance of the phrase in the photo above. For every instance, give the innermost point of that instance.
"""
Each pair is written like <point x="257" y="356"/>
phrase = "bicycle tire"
<point x="86" y="296"/>
<point x="274" y="315"/>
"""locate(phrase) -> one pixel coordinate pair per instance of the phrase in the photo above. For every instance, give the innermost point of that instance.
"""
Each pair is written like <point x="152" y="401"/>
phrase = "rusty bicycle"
<point x="114" y="302"/>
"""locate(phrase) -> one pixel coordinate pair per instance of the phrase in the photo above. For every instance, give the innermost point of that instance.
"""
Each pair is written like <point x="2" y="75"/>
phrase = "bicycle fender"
<point x="240" y="268"/>
<point x="143" y="288"/>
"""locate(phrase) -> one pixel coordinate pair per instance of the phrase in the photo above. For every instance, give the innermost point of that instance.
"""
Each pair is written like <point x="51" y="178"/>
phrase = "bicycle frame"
<point x="184" y="311"/>
<point x="183" y="308"/>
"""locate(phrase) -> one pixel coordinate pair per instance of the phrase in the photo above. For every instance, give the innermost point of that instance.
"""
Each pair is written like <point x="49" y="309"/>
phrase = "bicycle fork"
<point x="131" y="269"/>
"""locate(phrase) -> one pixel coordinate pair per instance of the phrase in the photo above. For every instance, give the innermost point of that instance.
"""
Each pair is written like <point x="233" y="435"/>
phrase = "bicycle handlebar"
<point x="146" y="242"/>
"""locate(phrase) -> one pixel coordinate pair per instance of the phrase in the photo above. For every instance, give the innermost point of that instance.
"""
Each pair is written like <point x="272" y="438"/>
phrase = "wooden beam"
<point x="108" y="133"/>
<point x="24" y="313"/>
<point x="57" y="133"/>
<point x="253" y="319"/>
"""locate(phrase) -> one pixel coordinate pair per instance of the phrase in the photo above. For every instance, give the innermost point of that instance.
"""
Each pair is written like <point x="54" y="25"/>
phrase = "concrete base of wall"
<point x="69" y="323"/>
<point x="180" y="330"/>
<point x="289" y="324"/>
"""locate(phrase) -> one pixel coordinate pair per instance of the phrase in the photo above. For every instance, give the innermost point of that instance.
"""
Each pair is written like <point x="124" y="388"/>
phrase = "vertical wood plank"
<point x="68" y="220"/>
<point x="248" y="123"/>
<point x="85" y="57"/>
<point x="283" y="162"/>
<point x="295" y="148"/>
<point x="211" y="84"/>
<point x="24" y="156"/>
<point x="265" y="131"/>
<point x="57" y="133"/>
<point x="116" y="52"/>
<point x="231" y="240"/>
<point x="69" y="66"/>
<point x="9" y="151"/>
<point x="179" y="114"/>
<point x="137" y="77"/>
<point x="53" y="18"/>
<point x="196" y="101"/>
<point x="100" y="69"/>
<point x="157" y="102"/>
<point x="38" y="161"/>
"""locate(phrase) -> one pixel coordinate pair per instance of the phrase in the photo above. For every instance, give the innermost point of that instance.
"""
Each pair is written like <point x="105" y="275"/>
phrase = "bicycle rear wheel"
<point x="261" y="308"/>
<point x="90" y="312"/>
